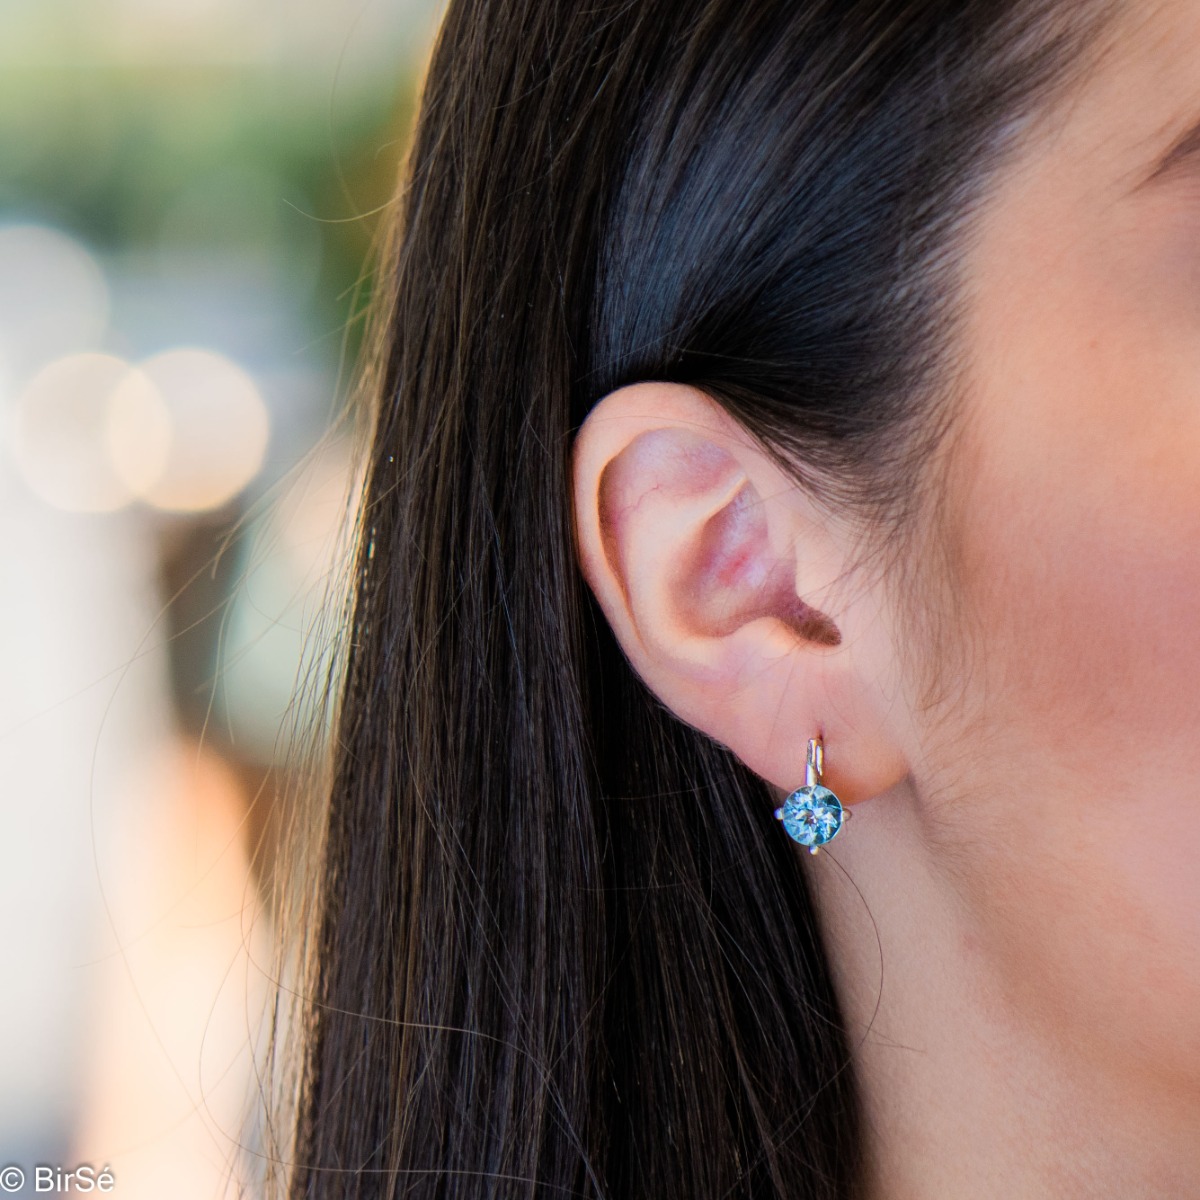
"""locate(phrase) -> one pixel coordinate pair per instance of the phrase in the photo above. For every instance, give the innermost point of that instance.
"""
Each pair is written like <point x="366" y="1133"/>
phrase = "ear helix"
<point x="812" y="814"/>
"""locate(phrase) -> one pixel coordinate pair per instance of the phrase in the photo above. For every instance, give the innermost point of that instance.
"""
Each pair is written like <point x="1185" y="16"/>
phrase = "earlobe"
<point x="715" y="573"/>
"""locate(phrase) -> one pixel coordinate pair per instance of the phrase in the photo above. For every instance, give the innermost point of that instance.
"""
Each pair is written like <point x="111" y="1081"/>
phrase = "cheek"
<point x="1078" y="495"/>
<point x="1078" y="537"/>
<point x="1076" y="814"/>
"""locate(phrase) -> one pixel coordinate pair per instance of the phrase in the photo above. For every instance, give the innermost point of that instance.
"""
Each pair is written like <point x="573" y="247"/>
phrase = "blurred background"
<point x="189" y="190"/>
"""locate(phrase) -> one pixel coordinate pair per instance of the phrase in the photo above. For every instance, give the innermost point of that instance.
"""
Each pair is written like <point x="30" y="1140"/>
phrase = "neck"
<point x="965" y="1094"/>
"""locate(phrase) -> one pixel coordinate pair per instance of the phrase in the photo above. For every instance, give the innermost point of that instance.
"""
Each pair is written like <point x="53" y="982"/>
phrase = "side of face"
<point x="1052" y="780"/>
<point x="1073" y="509"/>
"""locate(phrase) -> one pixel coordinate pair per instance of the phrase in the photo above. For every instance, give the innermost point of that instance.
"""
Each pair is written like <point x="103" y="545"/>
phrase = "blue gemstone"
<point x="811" y="815"/>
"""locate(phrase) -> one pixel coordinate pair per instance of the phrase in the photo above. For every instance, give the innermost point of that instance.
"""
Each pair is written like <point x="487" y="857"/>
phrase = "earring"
<point x="812" y="814"/>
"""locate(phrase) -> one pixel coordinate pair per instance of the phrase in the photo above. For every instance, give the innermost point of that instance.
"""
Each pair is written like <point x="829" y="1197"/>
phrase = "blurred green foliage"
<point x="228" y="159"/>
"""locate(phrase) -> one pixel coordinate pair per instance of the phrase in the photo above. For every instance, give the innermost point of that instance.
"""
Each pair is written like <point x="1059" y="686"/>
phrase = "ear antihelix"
<point x="741" y="578"/>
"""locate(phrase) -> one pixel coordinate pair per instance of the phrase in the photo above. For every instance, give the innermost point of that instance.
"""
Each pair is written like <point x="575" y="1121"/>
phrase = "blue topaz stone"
<point x="812" y="815"/>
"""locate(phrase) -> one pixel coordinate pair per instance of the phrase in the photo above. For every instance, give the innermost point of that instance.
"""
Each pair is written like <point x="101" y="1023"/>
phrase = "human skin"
<point x="1013" y="916"/>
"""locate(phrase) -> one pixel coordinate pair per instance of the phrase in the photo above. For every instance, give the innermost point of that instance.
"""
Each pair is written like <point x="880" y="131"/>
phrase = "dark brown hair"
<point x="559" y="946"/>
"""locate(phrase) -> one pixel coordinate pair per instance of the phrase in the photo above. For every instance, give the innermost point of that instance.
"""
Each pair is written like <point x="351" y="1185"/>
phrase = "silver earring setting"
<point x="812" y="814"/>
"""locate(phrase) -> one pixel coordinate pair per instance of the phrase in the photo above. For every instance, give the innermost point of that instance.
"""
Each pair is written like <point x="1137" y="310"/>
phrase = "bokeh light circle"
<point x="219" y="428"/>
<point x="60" y="432"/>
<point x="138" y="432"/>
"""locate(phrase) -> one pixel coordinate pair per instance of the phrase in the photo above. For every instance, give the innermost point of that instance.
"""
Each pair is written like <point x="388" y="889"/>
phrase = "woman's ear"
<point x="730" y="592"/>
